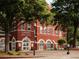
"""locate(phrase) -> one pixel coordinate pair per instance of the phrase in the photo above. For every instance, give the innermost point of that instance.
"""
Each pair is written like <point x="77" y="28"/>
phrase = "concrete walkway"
<point x="47" y="55"/>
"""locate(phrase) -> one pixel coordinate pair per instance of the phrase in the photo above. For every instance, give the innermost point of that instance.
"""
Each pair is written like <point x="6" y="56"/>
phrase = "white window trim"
<point x="13" y="43"/>
<point x="26" y="38"/>
<point x="41" y="40"/>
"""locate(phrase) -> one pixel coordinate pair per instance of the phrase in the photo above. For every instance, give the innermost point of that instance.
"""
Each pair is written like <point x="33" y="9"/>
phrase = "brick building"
<point x="25" y="35"/>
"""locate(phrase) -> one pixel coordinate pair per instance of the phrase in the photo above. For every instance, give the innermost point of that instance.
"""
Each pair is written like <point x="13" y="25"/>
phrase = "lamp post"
<point x="68" y="49"/>
<point x="34" y="39"/>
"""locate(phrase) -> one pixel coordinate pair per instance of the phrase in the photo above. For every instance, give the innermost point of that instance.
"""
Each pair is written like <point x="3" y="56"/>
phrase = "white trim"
<point x="13" y="38"/>
<point x="49" y="40"/>
<point x="26" y="38"/>
<point x="18" y="41"/>
<point x="12" y="42"/>
<point x="2" y="38"/>
<point x="54" y="42"/>
<point x="41" y="40"/>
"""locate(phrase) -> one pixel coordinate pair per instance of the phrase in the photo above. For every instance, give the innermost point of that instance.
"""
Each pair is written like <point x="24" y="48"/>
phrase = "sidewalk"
<point x="45" y="55"/>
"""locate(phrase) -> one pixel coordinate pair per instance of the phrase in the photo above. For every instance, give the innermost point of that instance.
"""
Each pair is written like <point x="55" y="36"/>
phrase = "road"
<point x="52" y="55"/>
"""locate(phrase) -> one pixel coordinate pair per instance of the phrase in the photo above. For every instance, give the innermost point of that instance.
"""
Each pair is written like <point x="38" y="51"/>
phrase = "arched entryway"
<point x="26" y="44"/>
<point x="41" y="44"/>
<point x="49" y="45"/>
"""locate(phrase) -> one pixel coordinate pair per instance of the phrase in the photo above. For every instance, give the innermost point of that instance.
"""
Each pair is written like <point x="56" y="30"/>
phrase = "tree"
<point x="67" y="14"/>
<point x="61" y="42"/>
<point x="30" y="10"/>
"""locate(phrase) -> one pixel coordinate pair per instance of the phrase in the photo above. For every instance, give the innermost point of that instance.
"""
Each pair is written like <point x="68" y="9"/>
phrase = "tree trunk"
<point x="6" y="38"/>
<point x="67" y="35"/>
<point x="6" y="42"/>
<point x="74" y="35"/>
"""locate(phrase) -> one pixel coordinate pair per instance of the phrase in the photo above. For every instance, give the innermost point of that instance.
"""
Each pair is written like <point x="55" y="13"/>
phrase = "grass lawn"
<point x="12" y="54"/>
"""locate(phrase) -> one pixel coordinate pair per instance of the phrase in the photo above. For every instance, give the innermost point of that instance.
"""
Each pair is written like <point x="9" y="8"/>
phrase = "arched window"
<point x="48" y="44"/>
<point x="28" y="26"/>
<point x="41" y="29"/>
<point x="13" y="44"/>
<point x="45" y="30"/>
<point x="41" y="45"/>
<point x="22" y="25"/>
<point x="26" y="44"/>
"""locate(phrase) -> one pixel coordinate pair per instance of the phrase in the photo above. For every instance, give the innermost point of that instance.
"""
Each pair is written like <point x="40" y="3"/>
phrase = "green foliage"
<point x="67" y="15"/>
<point x="70" y="41"/>
<point x="29" y="9"/>
<point x="33" y="9"/>
<point x="61" y="41"/>
<point x="66" y="11"/>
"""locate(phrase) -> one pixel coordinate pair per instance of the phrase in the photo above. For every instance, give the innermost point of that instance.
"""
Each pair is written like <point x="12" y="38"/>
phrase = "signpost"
<point x="68" y="49"/>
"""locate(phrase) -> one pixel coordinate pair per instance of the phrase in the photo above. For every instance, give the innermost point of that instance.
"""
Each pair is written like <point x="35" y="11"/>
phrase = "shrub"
<point x="61" y="42"/>
<point x="13" y="53"/>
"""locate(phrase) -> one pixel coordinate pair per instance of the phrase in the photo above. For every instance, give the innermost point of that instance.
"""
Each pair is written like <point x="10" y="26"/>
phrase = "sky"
<point x="50" y="1"/>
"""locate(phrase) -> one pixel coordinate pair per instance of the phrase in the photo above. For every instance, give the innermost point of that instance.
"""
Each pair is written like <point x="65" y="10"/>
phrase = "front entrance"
<point x="41" y="45"/>
<point x="26" y="45"/>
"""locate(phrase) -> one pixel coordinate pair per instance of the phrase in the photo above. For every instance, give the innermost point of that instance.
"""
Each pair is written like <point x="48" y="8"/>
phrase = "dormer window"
<point x="41" y="29"/>
<point x="22" y="25"/>
<point x="28" y="26"/>
<point x="45" y="30"/>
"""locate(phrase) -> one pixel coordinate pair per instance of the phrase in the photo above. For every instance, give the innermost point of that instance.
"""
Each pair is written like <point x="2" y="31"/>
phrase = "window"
<point x="45" y="30"/>
<point x="22" y="25"/>
<point x="13" y="44"/>
<point x="41" y="29"/>
<point x="25" y="45"/>
<point x="2" y="44"/>
<point x="28" y="26"/>
<point x="41" y="44"/>
<point x="60" y="33"/>
<point x="48" y="45"/>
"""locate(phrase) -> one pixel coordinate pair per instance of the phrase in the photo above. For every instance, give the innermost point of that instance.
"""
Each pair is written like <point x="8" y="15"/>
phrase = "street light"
<point x="68" y="49"/>
<point x="34" y="38"/>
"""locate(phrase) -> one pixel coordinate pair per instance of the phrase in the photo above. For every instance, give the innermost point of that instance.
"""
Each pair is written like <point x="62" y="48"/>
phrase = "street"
<point x="51" y="55"/>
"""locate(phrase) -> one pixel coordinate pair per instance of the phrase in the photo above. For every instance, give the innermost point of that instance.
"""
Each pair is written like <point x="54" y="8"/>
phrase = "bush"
<point x="61" y="42"/>
<point x="13" y="53"/>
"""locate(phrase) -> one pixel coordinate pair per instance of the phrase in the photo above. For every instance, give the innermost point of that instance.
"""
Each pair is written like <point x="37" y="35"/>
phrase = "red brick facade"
<point x="40" y="36"/>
